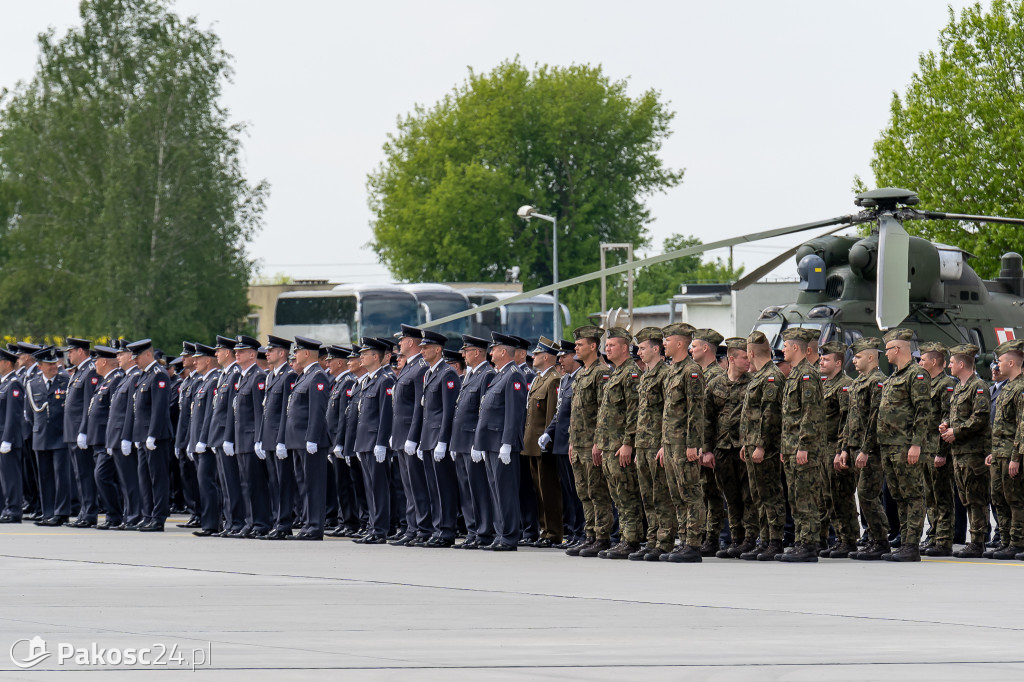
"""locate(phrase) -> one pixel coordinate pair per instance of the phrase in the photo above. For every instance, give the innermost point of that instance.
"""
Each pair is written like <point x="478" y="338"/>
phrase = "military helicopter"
<point x="854" y="287"/>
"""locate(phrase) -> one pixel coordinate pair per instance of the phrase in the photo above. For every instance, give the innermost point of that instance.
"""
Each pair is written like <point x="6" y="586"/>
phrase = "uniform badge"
<point x="949" y="389"/>
<point x="846" y="389"/>
<point x="824" y="378"/>
<point x="807" y="377"/>
<point x="980" y="391"/>
<point x="634" y="375"/>
<point x="163" y="384"/>
<point x="529" y="386"/>
<point x="920" y="376"/>
<point x="319" y="387"/>
<point x="605" y="377"/>
<point x="348" y="393"/>
<point x="387" y="390"/>
<point x="880" y="384"/>
<point x="95" y="380"/>
<point x="771" y="379"/>
<point x="259" y="386"/>
<point x="694" y="375"/>
<point x="15" y="393"/>
<point x="516" y="386"/>
<point x="291" y="386"/>
<point x="236" y="385"/>
<point x="451" y="384"/>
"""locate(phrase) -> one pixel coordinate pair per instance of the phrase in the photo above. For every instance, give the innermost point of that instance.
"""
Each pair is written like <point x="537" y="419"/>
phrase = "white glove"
<point x="82" y="441"/>
<point x="258" y="445"/>
<point x="5" y="447"/>
<point x="311" y="448"/>
<point x="337" y="451"/>
<point x="151" y="443"/>
<point x="348" y="460"/>
<point x="177" y="453"/>
<point x="261" y="453"/>
<point x="410" y="448"/>
<point x="229" y="448"/>
<point x="191" y="455"/>
<point x="281" y="451"/>
<point x="439" y="451"/>
<point x="419" y="455"/>
<point x="451" y="454"/>
<point x="505" y="453"/>
<point x="544" y="441"/>
<point x="379" y="453"/>
<point x="138" y="445"/>
<point x="126" y="447"/>
<point x="110" y="452"/>
<point x="200" y="447"/>
<point x="330" y="458"/>
<point x="476" y="455"/>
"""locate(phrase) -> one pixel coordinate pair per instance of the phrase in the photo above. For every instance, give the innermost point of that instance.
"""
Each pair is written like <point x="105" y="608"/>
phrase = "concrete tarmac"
<point x="336" y="610"/>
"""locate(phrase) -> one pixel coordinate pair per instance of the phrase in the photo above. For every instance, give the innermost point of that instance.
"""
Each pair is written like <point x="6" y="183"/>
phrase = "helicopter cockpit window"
<point x="851" y="336"/>
<point x="771" y="331"/>
<point x="976" y="338"/>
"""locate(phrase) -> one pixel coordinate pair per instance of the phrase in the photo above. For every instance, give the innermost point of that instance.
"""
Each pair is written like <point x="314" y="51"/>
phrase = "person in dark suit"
<point x="499" y="436"/>
<point x="80" y="389"/>
<point x="528" y="497"/>
<point x="244" y="417"/>
<point x="440" y="390"/>
<point x="123" y="452"/>
<point x="210" y="498"/>
<point x="306" y="436"/>
<point x="46" y="394"/>
<point x="372" y="436"/>
<point x="337" y="405"/>
<point x="186" y="464"/>
<point x="12" y="426"/>
<point x="28" y="368"/>
<point x="405" y="434"/>
<point x="556" y="438"/>
<point x="97" y="416"/>
<point x="348" y="453"/>
<point x="280" y="472"/>
<point x="152" y="434"/>
<point x="214" y="434"/>
<point x="474" y="490"/>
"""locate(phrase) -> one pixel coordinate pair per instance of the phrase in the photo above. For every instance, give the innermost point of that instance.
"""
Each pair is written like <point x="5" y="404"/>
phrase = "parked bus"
<point x="345" y="313"/>
<point x="530" y="318"/>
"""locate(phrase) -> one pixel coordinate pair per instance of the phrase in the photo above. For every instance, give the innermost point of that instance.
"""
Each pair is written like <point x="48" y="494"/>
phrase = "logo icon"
<point x="37" y="652"/>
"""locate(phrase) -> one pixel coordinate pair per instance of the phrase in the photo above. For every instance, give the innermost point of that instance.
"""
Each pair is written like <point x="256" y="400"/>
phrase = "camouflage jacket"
<point x="682" y="423"/>
<point x="761" y="416"/>
<point x="904" y="412"/>
<point x="650" y="406"/>
<point x="1008" y="411"/>
<point x="723" y="409"/>
<point x="711" y="371"/>
<point x="943" y="386"/>
<point x="616" y="418"/>
<point x="586" y="399"/>
<point x="862" y="420"/>
<point x="836" y="411"/>
<point x="969" y="418"/>
<point x="802" y="399"/>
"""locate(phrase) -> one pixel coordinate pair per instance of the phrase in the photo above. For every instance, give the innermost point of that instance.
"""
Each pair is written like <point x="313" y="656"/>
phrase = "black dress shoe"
<point x="278" y="534"/>
<point x="440" y="542"/>
<point x="106" y="525"/>
<point x="83" y="523"/>
<point x="307" y="536"/>
<point x="191" y="523"/>
<point x="504" y="547"/>
<point x="375" y="540"/>
<point x="53" y="521"/>
<point x="527" y="542"/>
<point x="33" y="516"/>
<point x="544" y="543"/>
<point x="9" y="519"/>
<point x="417" y="542"/>
<point x="152" y="527"/>
<point x="468" y="544"/>
<point x="204" y="533"/>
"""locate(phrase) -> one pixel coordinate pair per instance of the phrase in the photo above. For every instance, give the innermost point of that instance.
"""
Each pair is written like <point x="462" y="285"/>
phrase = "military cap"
<point x="408" y="331"/>
<point x="278" y="342"/>
<point x="436" y="338"/>
<point x="139" y="347"/>
<point x="649" y="334"/>
<point x="679" y="329"/>
<point x="521" y="343"/>
<point x="261" y="353"/>
<point x="187" y="348"/>
<point x="932" y="347"/>
<point x="322" y="351"/>
<point x="813" y="333"/>
<point x="373" y="343"/>
<point x="121" y="345"/>
<point x="337" y="352"/>
<point x="6" y="354"/>
<point x="619" y="333"/>
<point x="836" y="347"/>
<point x="46" y="354"/>
<point x="710" y="336"/>
<point x="78" y="343"/>
<point x="176" y="362"/>
<point x="968" y="349"/>
<point x="1013" y="345"/>
<point x="566" y="347"/>
<point x="757" y="338"/>
<point x="243" y="342"/>
<point x="546" y="345"/>
<point x="226" y="342"/>
<point x="797" y="334"/>
<point x="499" y="339"/>
<point x="105" y="352"/>
<point x="866" y="343"/>
<point x="24" y="347"/>
<point x="204" y="351"/>
<point x="356" y="350"/>
<point x="736" y="343"/>
<point x="898" y="335"/>
<point x="469" y="341"/>
<point x="306" y="343"/>
<point x="452" y="356"/>
<point x="12" y="348"/>
<point x="587" y="331"/>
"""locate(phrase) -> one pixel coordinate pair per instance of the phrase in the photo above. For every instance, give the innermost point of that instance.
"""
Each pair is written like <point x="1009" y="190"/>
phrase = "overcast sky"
<point x="778" y="103"/>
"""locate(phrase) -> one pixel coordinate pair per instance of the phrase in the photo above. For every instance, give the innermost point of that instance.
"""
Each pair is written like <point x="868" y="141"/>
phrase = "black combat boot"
<point x="747" y="545"/>
<point x="709" y="548"/>
<point x="842" y="551"/>
<point x="686" y="554"/>
<point x="906" y="552"/>
<point x="800" y="555"/>
<point x="620" y="551"/>
<point x="594" y="548"/>
<point x="576" y="549"/>
<point x="773" y="550"/>
<point x="639" y="554"/>
<point x="1008" y="552"/>
<point x="972" y="550"/>
<point x="939" y="550"/>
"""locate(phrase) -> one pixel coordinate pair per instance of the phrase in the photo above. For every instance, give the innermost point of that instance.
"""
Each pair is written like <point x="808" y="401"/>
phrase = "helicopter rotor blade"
<point x="892" y="293"/>
<point x="937" y="215"/>
<point x="754" y="275"/>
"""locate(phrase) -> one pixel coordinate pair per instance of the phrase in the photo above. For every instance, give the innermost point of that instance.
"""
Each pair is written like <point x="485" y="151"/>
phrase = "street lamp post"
<point x="527" y="212"/>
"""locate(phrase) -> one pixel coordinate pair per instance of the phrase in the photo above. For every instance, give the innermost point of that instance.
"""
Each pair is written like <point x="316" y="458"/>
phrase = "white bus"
<point x="345" y="313"/>
<point x="530" y="318"/>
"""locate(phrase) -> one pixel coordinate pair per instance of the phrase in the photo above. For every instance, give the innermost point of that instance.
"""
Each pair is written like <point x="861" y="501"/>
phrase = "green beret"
<point x="797" y="334"/>
<point x="620" y="333"/>
<point x="866" y="343"/>
<point x="932" y="347"/>
<point x="679" y="329"/>
<point x="898" y="335"/>
<point x="737" y="342"/>
<point x="1016" y="345"/>
<point x="649" y="334"/>
<point x="757" y="338"/>
<point x="836" y="347"/>
<point x="709" y="335"/>
<point x="587" y="331"/>
<point x="968" y="349"/>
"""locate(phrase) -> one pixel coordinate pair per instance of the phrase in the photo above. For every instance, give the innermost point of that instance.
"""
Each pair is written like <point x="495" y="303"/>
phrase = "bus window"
<point x="315" y="310"/>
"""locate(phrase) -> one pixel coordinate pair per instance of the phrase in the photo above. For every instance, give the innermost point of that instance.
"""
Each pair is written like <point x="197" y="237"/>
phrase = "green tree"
<point x="123" y="205"/>
<point x="656" y="284"/>
<point x="955" y="137"/>
<point x="566" y="139"/>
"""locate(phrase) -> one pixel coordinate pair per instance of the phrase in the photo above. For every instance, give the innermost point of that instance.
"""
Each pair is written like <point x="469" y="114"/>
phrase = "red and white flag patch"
<point x="95" y="380"/>
<point x="1004" y="334"/>
<point x="516" y="386"/>
<point x="161" y="384"/>
<point x="387" y="391"/>
<point x="259" y="386"/>
<point x="451" y="384"/>
<point x="319" y="387"/>
<point x="348" y="393"/>
<point x="15" y="393"/>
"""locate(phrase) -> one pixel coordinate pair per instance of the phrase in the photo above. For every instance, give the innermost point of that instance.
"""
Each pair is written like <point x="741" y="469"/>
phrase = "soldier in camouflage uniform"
<point x="838" y="484"/>
<point x="938" y="465"/>
<point x="969" y="432"/>
<point x="681" y="438"/>
<point x="591" y="485"/>
<point x="760" y="436"/>
<point x="723" y="408"/>
<point x="802" y="443"/>
<point x="1008" y="409"/>
<point x="613" y="441"/>
<point x="654" y="492"/>
<point x="703" y="350"/>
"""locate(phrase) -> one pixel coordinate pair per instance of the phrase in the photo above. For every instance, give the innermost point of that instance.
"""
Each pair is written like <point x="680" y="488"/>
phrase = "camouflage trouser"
<point x="824" y="498"/>
<point x="684" y="484"/>
<point x="1013" y="494"/>
<point x="658" y="506"/>
<point x="766" y="490"/>
<point x="938" y="484"/>
<point x="804" y="482"/>
<point x="731" y="473"/>
<point x="714" y="503"/>
<point x="842" y="489"/>
<point x="593" y="493"/>
<point x="869" y="494"/>
<point x="906" y="485"/>
<point x="972" y="483"/>
<point x="625" y="492"/>
<point x="1001" y="510"/>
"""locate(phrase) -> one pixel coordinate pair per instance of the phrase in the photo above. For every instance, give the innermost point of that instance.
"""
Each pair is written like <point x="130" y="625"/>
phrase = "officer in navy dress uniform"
<point x="437" y="409"/>
<point x="474" y="489"/>
<point x="207" y="477"/>
<point x="245" y="413"/>
<point x="337" y="405"/>
<point x="46" y="393"/>
<point x="348" y="453"/>
<point x="126" y="459"/>
<point x="12" y="439"/>
<point x="152" y="435"/>
<point x="186" y="464"/>
<point x="280" y="471"/>
<point x="83" y="384"/>
<point x="215" y="433"/>
<point x="28" y="368"/>
<point x="499" y="436"/>
<point x="306" y="436"/>
<point x="373" y="434"/>
<point x="557" y="438"/>
<point x="527" y="495"/>
<point x="97" y="416"/>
